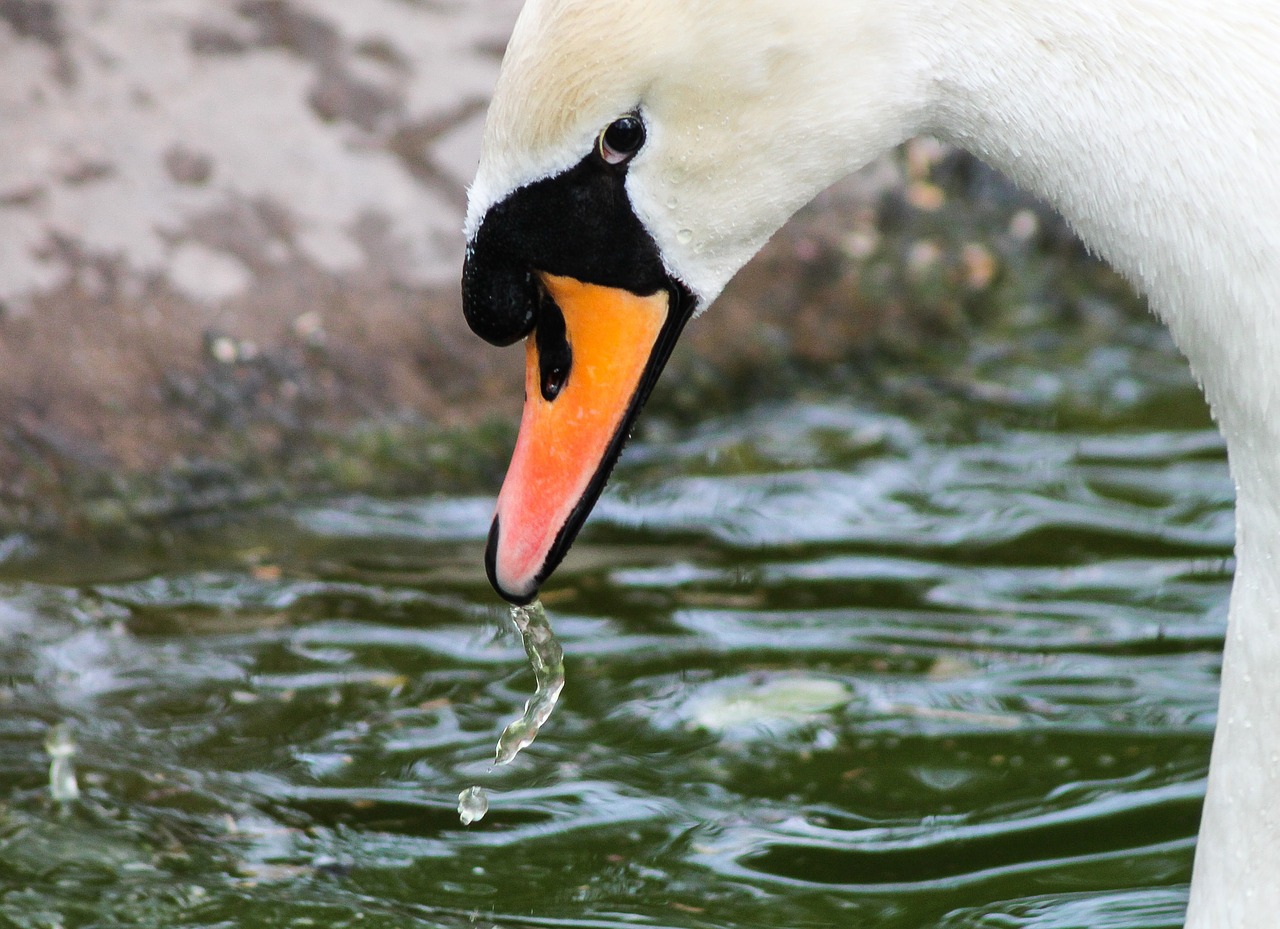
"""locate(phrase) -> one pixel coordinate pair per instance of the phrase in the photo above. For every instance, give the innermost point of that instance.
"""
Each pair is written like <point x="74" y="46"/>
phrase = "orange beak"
<point x="582" y="391"/>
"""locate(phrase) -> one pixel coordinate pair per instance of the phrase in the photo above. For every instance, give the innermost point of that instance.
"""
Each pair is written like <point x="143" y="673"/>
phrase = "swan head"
<point x="636" y="154"/>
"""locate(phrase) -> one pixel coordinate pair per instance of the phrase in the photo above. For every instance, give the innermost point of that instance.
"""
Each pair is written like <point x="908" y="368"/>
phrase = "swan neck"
<point x="1149" y="126"/>
<point x="1152" y="126"/>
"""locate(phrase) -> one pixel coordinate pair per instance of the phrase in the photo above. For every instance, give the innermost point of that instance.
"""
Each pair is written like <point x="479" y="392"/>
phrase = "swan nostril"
<point x="553" y="381"/>
<point x="503" y="303"/>
<point x="555" y="357"/>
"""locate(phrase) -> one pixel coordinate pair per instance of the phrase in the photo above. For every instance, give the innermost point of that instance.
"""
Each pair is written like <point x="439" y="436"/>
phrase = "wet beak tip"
<point x="518" y="593"/>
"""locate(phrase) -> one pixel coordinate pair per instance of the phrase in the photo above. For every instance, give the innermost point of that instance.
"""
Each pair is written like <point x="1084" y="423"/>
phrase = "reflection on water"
<point x="830" y="667"/>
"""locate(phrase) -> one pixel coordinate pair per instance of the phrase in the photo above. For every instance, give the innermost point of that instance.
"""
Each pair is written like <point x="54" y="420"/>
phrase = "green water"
<point x="881" y="658"/>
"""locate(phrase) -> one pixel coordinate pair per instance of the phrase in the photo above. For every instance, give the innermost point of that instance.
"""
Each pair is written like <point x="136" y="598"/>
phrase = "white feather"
<point x="1153" y="126"/>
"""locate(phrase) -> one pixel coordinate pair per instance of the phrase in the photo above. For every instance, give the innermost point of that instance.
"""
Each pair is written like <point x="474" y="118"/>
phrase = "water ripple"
<point x="823" y="669"/>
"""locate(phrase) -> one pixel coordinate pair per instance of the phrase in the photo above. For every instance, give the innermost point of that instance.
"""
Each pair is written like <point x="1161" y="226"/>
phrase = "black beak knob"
<point x="499" y="299"/>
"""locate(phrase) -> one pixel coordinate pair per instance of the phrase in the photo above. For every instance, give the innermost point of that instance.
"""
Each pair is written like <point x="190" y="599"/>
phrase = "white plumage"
<point x="1153" y="126"/>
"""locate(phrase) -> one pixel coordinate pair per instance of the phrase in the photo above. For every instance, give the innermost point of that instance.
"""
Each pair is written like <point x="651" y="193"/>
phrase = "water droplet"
<point x="547" y="658"/>
<point x="684" y="236"/>
<point x="62" y="774"/>
<point x="473" y="803"/>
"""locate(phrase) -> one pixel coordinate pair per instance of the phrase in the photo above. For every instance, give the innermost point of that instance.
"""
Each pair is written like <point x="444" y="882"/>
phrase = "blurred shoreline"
<point x="230" y="245"/>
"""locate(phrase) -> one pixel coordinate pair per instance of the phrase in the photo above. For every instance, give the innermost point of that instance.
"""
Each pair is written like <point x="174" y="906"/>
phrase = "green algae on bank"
<point x="916" y="291"/>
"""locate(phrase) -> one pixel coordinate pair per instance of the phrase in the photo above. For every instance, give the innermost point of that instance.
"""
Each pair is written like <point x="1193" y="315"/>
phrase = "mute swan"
<point x="638" y="152"/>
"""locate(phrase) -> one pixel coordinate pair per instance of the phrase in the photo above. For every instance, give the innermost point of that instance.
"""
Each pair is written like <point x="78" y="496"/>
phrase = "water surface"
<point x="829" y="664"/>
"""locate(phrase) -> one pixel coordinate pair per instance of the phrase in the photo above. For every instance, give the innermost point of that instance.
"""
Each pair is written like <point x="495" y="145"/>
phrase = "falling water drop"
<point x="63" y="786"/>
<point x="547" y="658"/>
<point x="473" y="803"/>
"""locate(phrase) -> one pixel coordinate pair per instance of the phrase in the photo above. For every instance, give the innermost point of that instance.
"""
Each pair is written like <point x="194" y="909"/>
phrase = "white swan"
<point x="638" y="152"/>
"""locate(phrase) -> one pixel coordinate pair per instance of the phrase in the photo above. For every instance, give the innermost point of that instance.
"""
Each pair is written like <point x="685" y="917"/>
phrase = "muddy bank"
<point x="229" y="248"/>
<point x="226" y="229"/>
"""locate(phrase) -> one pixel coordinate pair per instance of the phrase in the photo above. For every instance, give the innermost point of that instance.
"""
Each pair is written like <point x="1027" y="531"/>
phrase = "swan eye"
<point x="621" y="139"/>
